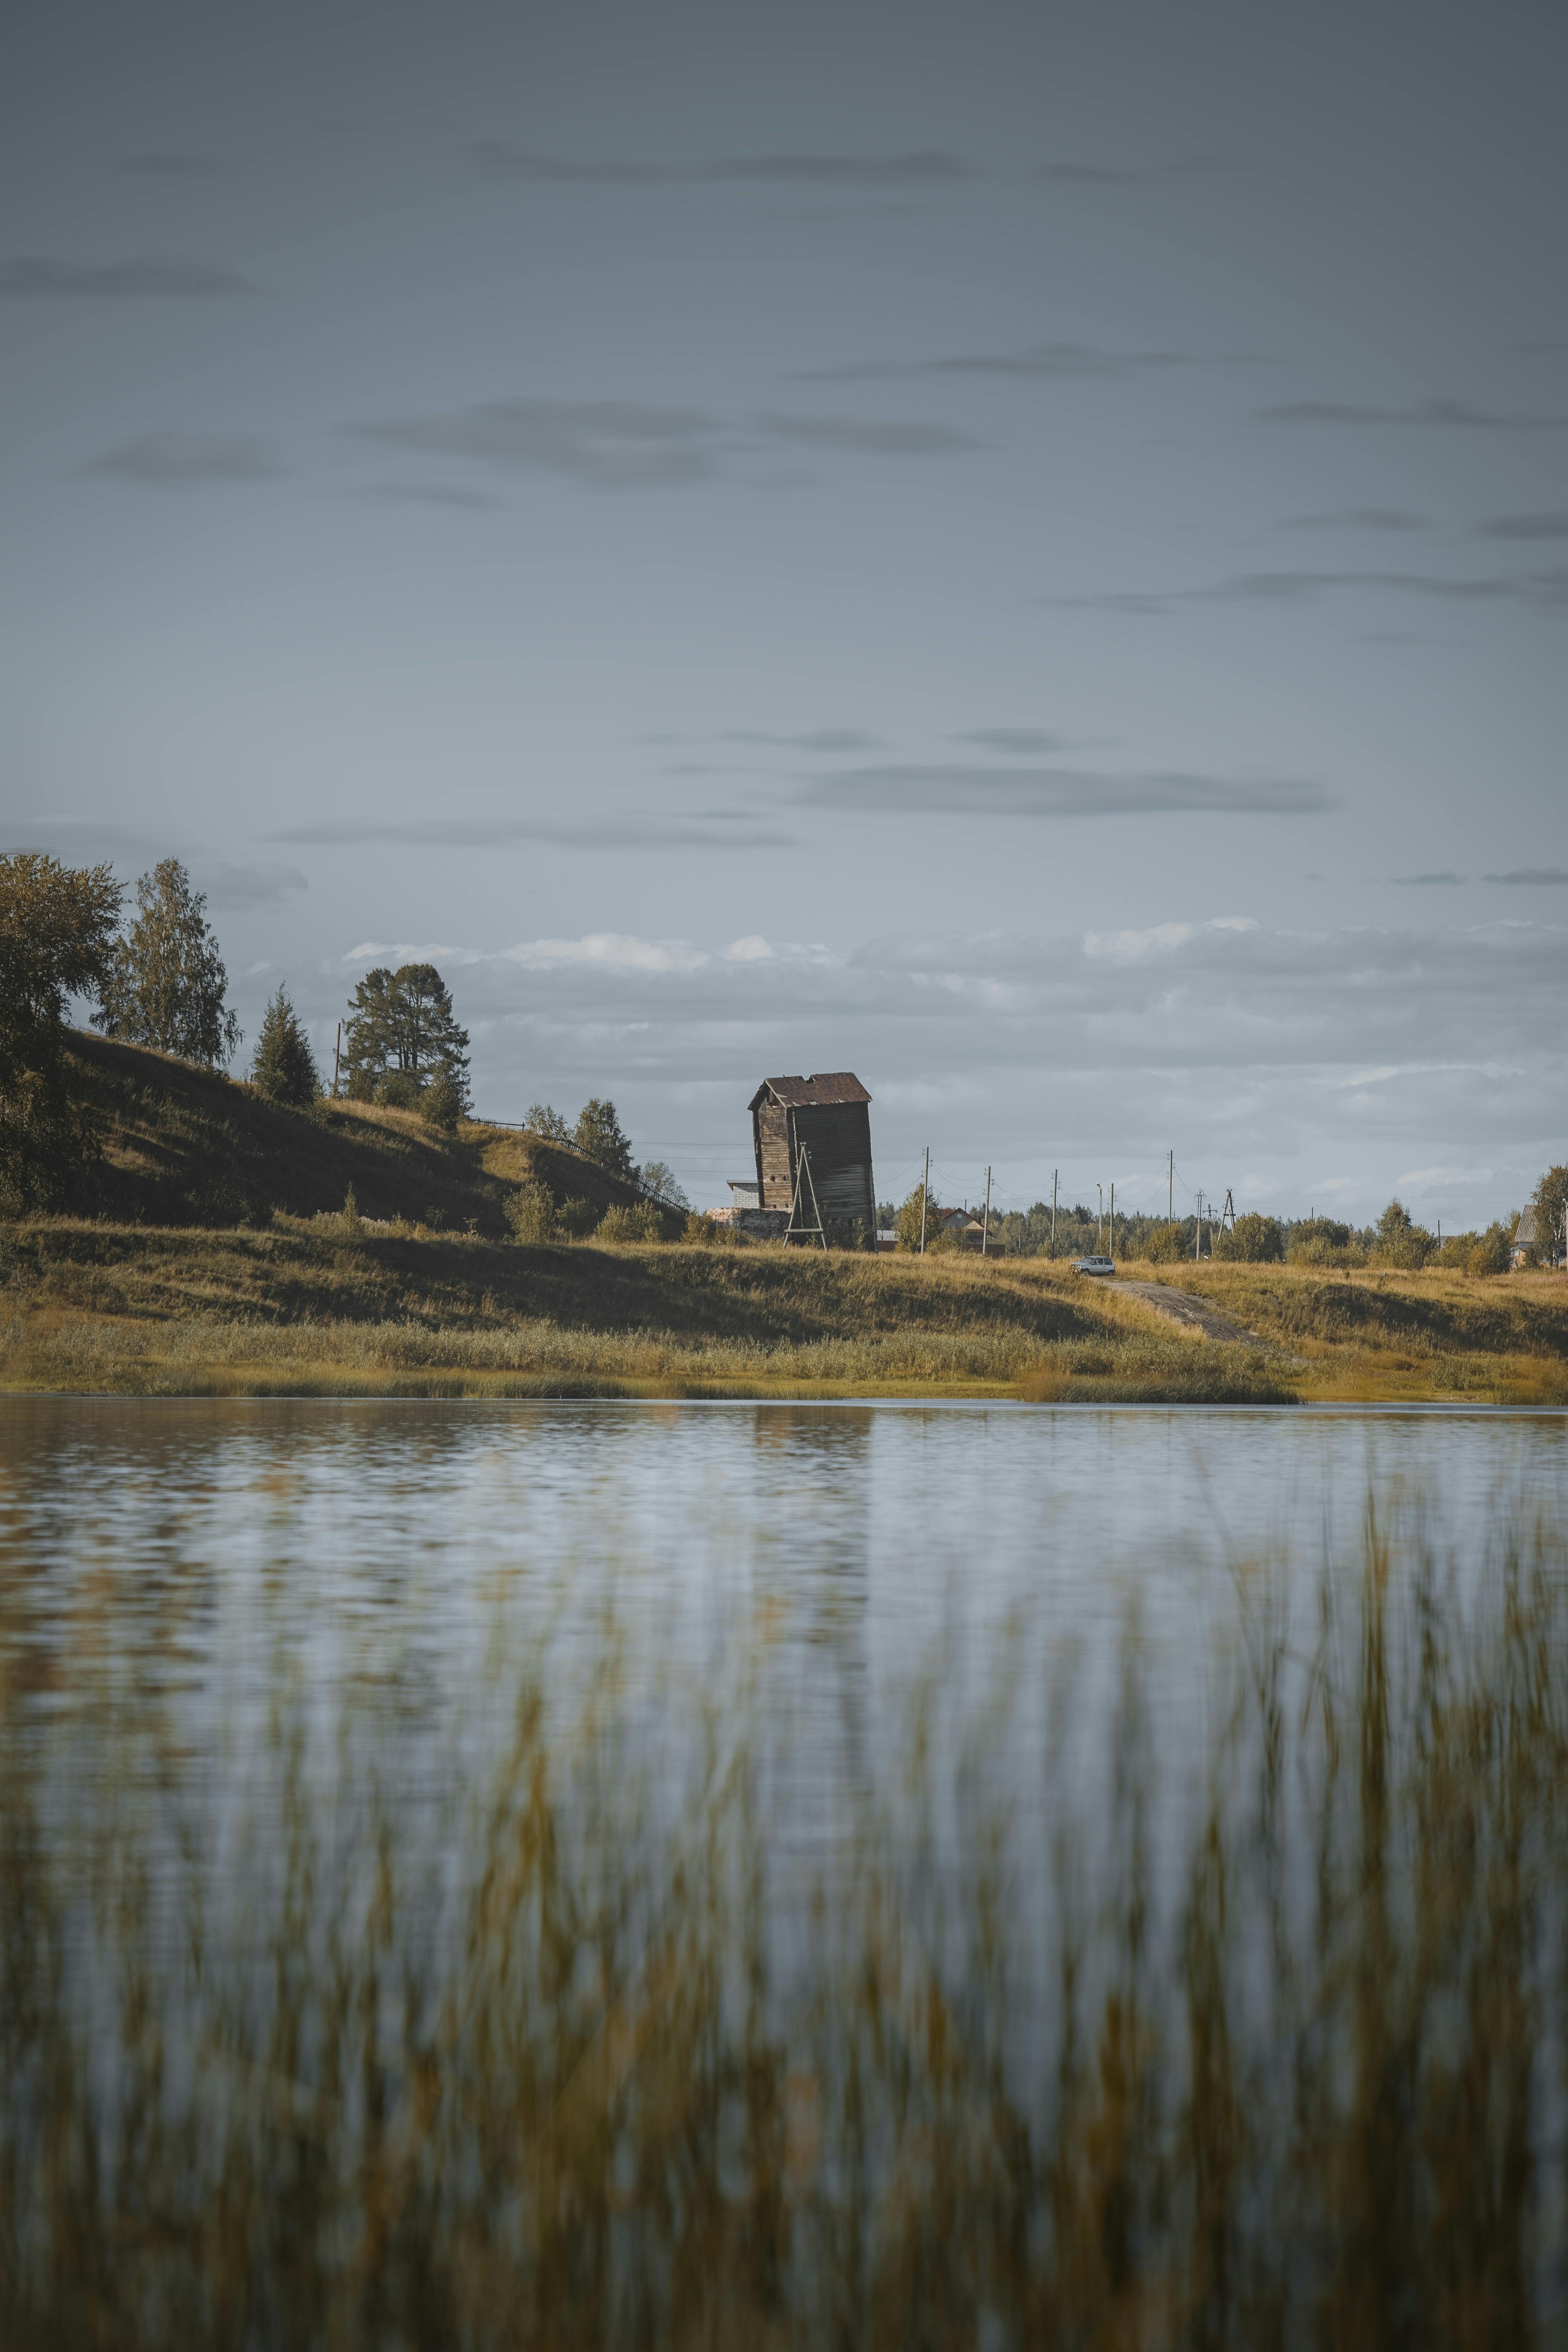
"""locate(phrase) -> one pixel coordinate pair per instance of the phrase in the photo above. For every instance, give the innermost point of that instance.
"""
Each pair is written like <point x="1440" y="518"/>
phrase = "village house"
<point x="1523" y="1238"/>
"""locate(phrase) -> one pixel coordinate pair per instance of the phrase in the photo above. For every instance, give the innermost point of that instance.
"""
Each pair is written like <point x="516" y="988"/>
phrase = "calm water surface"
<point x="857" y="1710"/>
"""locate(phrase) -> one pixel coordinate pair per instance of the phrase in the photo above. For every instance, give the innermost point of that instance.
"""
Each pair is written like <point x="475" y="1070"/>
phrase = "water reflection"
<point x="592" y="1875"/>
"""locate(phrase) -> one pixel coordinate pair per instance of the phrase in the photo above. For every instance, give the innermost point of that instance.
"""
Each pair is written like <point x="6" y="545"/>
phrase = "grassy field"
<point x="210" y="1253"/>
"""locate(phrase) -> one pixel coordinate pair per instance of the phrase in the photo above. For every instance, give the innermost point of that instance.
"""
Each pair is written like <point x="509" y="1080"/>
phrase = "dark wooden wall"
<point x="775" y="1167"/>
<point x="838" y="1139"/>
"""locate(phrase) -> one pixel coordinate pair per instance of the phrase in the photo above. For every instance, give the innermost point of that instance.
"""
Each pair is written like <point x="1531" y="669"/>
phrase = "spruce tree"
<point x="598" y="1136"/>
<point x="284" y="1068"/>
<point x="166" y="983"/>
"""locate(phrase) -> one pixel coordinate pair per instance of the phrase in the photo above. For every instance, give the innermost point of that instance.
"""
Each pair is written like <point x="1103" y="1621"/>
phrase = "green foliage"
<point x="701" y="1232"/>
<point x="284" y="1068"/>
<point x="544" y="1120"/>
<point x="1254" y="1240"/>
<point x="639" y="1222"/>
<point x="350" y="1223"/>
<point x="56" y="937"/>
<point x="1164" y="1244"/>
<point x="402" y="1032"/>
<point x="1400" y="1240"/>
<point x="1491" y="1251"/>
<point x="906" y="1224"/>
<point x="659" y="1180"/>
<point x="1550" y="1199"/>
<point x="598" y="1136"/>
<point x="575" y="1216"/>
<point x="442" y="1103"/>
<point x="531" y="1213"/>
<point x="165" y="983"/>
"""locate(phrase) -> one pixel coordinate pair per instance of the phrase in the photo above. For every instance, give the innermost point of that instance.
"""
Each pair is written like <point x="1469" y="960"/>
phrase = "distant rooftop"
<point x="822" y="1086"/>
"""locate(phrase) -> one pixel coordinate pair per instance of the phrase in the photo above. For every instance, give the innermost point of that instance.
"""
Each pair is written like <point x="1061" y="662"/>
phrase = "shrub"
<point x="1165" y="1244"/>
<point x="1400" y="1240"/>
<point x="574" y="1217"/>
<point x="906" y="1224"/>
<point x="1253" y="1240"/>
<point x="442" y="1104"/>
<point x="350" y="1223"/>
<point x="544" y="1120"/>
<point x="1490" y="1252"/>
<point x="699" y="1230"/>
<point x="531" y="1213"/>
<point x="640" y="1223"/>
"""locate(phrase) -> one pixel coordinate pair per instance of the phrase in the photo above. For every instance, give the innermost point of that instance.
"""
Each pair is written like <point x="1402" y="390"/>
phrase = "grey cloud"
<point x="874" y="437"/>
<point x="1534" y="591"/>
<point x="609" y="444"/>
<point x="242" y="887"/>
<point x="1551" y="875"/>
<point x="1459" y="413"/>
<point x="499" y="159"/>
<point x="1126" y="175"/>
<point x="1426" y="881"/>
<point x="427" y="494"/>
<point x="933" y="790"/>
<point x="709" y="829"/>
<point x="821" y="739"/>
<point x="1020" y="742"/>
<point x="1526" y="526"/>
<point x="185" y="460"/>
<point x="35" y="276"/>
<point x="172" y="163"/>
<point x="1034" y="362"/>
<point x="1359" y="518"/>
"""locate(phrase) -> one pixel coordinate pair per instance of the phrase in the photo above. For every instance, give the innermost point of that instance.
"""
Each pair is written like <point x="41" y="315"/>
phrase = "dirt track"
<point x="1188" y="1313"/>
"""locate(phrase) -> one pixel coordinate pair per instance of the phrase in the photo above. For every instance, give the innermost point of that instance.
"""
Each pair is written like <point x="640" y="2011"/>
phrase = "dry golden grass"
<point x="1296" y="2080"/>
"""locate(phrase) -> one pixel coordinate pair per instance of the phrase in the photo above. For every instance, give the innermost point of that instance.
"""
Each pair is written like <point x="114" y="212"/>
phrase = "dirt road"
<point x="1190" y="1314"/>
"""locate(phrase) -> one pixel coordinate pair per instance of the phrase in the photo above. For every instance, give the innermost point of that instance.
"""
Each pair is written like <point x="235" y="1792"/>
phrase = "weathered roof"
<point x="822" y="1086"/>
<point x="1524" y="1232"/>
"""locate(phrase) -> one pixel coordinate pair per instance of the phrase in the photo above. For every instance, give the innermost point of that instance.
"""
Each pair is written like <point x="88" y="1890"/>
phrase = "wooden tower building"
<point x="829" y="1115"/>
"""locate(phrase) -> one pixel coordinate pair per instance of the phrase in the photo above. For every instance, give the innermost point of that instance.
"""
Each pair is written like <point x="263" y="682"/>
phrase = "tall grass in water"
<point x="1260" y="2045"/>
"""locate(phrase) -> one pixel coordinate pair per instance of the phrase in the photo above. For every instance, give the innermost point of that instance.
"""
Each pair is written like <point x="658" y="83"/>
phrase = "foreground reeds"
<point x="1102" y="2038"/>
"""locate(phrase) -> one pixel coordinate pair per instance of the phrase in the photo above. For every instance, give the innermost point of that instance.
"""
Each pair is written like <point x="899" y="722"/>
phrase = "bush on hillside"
<point x="640" y="1223"/>
<point x="1490" y="1252"/>
<point x="574" y="1217"/>
<point x="441" y="1104"/>
<point x="1401" y="1242"/>
<point x="1253" y="1240"/>
<point x="701" y="1232"/>
<point x="284" y="1067"/>
<point x="531" y="1213"/>
<point x="544" y="1120"/>
<point x="399" y="1090"/>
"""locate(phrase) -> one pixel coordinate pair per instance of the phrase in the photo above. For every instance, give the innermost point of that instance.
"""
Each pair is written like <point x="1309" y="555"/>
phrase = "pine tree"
<point x="284" y="1068"/>
<point x="598" y="1138"/>
<point x="403" y="1021"/>
<point x="166" y="984"/>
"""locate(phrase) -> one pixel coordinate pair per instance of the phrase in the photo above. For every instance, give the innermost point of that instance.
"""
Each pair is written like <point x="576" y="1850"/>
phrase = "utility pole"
<point x="1198" y="1230"/>
<point x="1100" y="1217"/>
<point x="1170" y="1187"/>
<point x="1054" y="1173"/>
<point x="985" y="1224"/>
<point x="925" y="1200"/>
<point x="337" y="1047"/>
<point x="1112" y="1250"/>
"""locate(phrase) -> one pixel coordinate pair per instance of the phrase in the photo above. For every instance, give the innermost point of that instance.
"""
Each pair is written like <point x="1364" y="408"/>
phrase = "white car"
<point x="1094" y="1265"/>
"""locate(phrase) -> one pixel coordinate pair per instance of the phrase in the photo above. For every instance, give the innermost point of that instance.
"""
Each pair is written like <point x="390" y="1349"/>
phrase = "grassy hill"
<point x="209" y="1253"/>
<point x="192" y="1147"/>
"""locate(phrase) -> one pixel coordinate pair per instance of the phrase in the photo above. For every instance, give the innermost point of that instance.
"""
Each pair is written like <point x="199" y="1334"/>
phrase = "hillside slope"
<point x="187" y="1146"/>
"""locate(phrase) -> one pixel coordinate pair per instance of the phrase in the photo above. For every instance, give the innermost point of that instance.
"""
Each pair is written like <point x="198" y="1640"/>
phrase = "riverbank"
<point x="328" y="1306"/>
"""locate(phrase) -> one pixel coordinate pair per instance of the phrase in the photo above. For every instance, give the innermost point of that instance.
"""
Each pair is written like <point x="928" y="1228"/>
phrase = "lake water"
<point x="688" y="1871"/>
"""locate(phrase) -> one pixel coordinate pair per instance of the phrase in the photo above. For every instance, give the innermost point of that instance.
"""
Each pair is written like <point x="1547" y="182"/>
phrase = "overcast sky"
<point x="1021" y="551"/>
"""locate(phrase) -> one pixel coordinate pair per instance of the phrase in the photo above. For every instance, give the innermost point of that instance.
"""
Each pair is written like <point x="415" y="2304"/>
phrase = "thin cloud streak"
<point x="1034" y="362"/>
<point x="871" y="437"/>
<point x="177" y="461"/>
<point x="499" y="159"/>
<point x="938" y="790"/>
<point x="1448" y="414"/>
<point x="605" y="444"/>
<point x="715" y="830"/>
<point x="1528" y="876"/>
<point x="33" y="276"/>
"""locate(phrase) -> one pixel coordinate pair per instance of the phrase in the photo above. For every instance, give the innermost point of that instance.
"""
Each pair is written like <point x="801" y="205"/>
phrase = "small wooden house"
<point x="828" y="1118"/>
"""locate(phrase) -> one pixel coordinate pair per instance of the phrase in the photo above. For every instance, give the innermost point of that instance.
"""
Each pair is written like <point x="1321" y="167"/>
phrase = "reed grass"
<point x="1271" y="2051"/>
